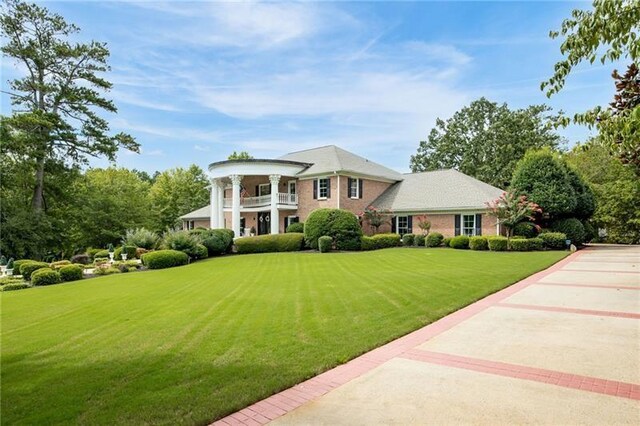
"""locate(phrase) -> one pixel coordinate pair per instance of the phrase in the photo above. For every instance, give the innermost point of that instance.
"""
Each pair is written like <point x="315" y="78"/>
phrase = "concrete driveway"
<point x="561" y="347"/>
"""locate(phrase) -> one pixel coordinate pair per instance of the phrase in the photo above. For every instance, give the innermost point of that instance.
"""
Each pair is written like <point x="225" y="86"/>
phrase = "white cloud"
<point x="201" y="148"/>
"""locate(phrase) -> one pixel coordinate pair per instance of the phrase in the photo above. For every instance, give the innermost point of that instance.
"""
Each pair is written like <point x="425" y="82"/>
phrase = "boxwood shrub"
<point x="201" y="252"/>
<point x="160" y="259"/>
<point x="446" y="241"/>
<point x="15" y="286"/>
<point x="572" y="228"/>
<point x="459" y="242"/>
<point x="419" y="240"/>
<point x="497" y="243"/>
<point x="525" y="229"/>
<point x="407" y="239"/>
<point x="59" y="264"/>
<point x="380" y="241"/>
<point x="82" y="258"/>
<point x="478" y="243"/>
<point x="554" y="240"/>
<point x="519" y="244"/>
<point x="18" y="263"/>
<point x="45" y="276"/>
<point x="28" y="268"/>
<point x="297" y="227"/>
<point x="341" y="225"/>
<point x="434" y="239"/>
<point x="71" y="273"/>
<point x="93" y="251"/>
<point x="536" y="243"/>
<point x="324" y="244"/>
<point x="270" y="243"/>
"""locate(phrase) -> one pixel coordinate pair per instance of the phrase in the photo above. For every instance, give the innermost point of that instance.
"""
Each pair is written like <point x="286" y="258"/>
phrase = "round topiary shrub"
<point x="59" y="264"/>
<point x="341" y="225"/>
<point x="519" y="245"/>
<point x="419" y="240"/>
<point x="572" y="228"/>
<point x="407" y="239"/>
<point x="28" y="268"/>
<point x="497" y="243"/>
<point x="446" y="241"/>
<point x="129" y="250"/>
<point x="459" y="242"/>
<point x="434" y="239"/>
<point x="45" y="276"/>
<point x="71" y="273"/>
<point x="160" y="259"/>
<point x="589" y="231"/>
<point x="478" y="243"/>
<point x="324" y="244"/>
<point x="101" y="253"/>
<point x="554" y="240"/>
<point x="18" y="263"/>
<point x="183" y="241"/>
<point x="297" y="227"/>
<point x="525" y="229"/>
<point x="214" y="242"/>
<point x="201" y="252"/>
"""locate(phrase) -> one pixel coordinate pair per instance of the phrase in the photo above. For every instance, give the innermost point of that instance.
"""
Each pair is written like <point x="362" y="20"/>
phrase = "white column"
<point x="220" y="209"/>
<point x="213" y="201"/>
<point x="275" y="218"/>
<point x="235" y="204"/>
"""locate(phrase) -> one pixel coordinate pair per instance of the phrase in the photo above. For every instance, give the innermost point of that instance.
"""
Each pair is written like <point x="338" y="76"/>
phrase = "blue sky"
<point x="194" y="81"/>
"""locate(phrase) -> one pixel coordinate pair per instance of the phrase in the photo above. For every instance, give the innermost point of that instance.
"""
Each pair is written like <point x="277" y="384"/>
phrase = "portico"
<point x="232" y="190"/>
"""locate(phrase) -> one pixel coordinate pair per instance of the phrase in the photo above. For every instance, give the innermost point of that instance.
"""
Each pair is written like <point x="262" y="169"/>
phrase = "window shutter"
<point x="349" y="181"/>
<point x="393" y="224"/>
<point x="360" y="185"/>
<point x="328" y="188"/>
<point x="257" y="190"/>
<point x="315" y="189"/>
<point x="410" y="224"/>
<point x="457" y="224"/>
<point x="478" y="224"/>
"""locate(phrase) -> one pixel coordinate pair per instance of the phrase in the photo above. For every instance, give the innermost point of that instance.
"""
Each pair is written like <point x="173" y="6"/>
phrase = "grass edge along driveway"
<point x="191" y="344"/>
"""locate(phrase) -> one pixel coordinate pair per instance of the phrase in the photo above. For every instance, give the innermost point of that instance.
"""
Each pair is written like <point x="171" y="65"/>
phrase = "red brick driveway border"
<point x="288" y="400"/>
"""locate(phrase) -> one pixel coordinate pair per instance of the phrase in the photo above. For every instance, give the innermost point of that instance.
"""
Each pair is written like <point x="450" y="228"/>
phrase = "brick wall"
<point x="306" y="203"/>
<point x="445" y="224"/>
<point x="371" y="189"/>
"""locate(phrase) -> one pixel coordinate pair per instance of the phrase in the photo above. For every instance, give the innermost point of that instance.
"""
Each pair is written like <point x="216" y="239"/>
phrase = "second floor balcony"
<point x="284" y="199"/>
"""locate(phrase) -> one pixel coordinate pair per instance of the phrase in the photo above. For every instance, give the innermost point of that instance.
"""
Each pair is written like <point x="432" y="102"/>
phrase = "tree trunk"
<point x="37" y="202"/>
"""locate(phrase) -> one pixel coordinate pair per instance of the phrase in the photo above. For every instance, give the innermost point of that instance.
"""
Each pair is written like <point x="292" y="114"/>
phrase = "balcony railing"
<point x="264" y="200"/>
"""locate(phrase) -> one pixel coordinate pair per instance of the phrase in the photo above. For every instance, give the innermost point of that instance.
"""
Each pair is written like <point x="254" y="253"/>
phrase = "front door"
<point x="264" y="223"/>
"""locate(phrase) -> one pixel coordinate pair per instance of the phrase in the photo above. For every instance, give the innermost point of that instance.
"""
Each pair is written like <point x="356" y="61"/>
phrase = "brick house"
<point x="269" y="194"/>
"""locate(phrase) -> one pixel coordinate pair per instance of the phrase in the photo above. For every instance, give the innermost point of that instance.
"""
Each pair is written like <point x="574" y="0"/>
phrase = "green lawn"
<point x="194" y="343"/>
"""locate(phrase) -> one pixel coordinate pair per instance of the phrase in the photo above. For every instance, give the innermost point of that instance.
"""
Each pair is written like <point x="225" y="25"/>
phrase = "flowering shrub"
<point x="374" y="217"/>
<point x="511" y="209"/>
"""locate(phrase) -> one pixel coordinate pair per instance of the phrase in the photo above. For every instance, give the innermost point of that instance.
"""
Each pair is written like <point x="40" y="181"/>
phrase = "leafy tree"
<point x="56" y="103"/>
<point x="113" y="200"/>
<point x="242" y="155"/>
<point x="608" y="33"/>
<point x="542" y="177"/>
<point x="616" y="188"/>
<point x="485" y="140"/>
<point x="510" y="209"/>
<point x="375" y="218"/>
<point x="176" y="192"/>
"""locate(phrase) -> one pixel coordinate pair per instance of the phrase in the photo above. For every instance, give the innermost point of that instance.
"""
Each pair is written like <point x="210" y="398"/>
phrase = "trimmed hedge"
<point x="536" y="243"/>
<point x="106" y="271"/>
<point x="459" y="242"/>
<point x="297" y="228"/>
<point x="201" y="252"/>
<point x="478" y="243"/>
<point x="59" y="264"/>
<point x="128" y="249"/>
<point x="93" y="251"/>
<point x="554" y="240"/>
<point x="71" y="273"/>
<point x="419" y="240"/>
<point x="434" y="239"/>
<point x="497" y="243"/>
<point x="572" y="228"/>
<point x="446" y="241"/>
<point x="18" y="263"/>
<point x="407" y="239"/>
<point x="379" y="241"/>
<point x="101" y="253"/>
<point x="324" y="244"/>
<point x="341" y="225"/>
<point x="45" y="276"/>
<point x="28" y="268"/>
<point x="270" y="243"/>
<point x="15" y="286"/>
<point x="525" y="229"/>
<point x="161" y="259"/>
<point x="519" y="245"/>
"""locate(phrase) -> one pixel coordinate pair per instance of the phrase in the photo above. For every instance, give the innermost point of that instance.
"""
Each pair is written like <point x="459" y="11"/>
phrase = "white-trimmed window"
<point x="189" y="225"/>
<point x="354" y="188"/>
<point x="469" y="224"/>
<point x="264" y="189"/>
<point x="402" y="225"/>
<point x="323" y="188"/>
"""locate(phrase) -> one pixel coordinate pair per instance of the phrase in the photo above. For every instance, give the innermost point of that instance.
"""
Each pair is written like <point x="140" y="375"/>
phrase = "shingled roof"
<point x="330" y="158"/>
<point x="438" y="190"/>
